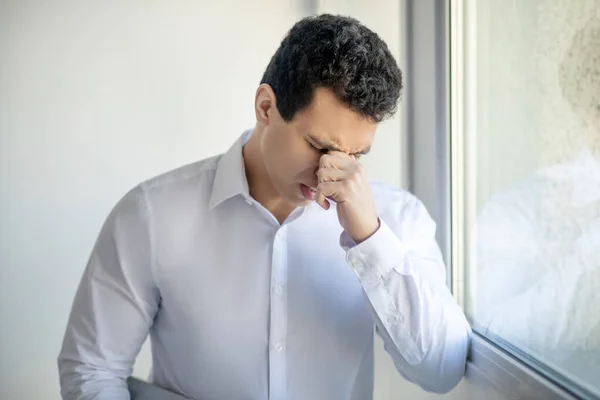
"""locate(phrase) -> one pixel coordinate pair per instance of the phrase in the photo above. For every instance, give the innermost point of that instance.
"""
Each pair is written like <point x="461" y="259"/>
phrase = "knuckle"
<point x="323" y="176"/>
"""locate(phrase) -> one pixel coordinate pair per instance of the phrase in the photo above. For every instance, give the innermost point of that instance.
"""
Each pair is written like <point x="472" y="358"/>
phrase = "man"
<point x="260" y="274"/>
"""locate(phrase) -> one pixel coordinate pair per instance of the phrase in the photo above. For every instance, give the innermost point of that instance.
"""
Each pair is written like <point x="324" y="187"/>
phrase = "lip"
<point x="308" y="192"/>
<point x="312" y="187"/>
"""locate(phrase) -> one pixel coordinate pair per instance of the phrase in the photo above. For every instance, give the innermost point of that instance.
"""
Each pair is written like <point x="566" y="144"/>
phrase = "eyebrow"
<point x="333" y="147"/>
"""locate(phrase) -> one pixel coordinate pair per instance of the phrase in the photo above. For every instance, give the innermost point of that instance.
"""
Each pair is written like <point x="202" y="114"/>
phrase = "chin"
<point x="294" y="196"/>
<point x="298" y="200"/>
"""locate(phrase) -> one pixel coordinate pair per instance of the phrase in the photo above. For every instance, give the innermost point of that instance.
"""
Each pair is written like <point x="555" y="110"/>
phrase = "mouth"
<point x="309" y="193"/>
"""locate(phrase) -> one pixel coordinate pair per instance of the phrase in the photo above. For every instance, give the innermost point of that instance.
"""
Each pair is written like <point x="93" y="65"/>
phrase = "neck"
<point x="259" y="182"/>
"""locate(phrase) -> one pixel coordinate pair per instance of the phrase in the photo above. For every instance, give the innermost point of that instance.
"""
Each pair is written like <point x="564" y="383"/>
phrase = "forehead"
<point x="330" y="120"/>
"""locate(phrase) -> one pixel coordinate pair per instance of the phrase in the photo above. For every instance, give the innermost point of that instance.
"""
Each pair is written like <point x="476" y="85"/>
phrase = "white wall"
<point x="97" y="96"/>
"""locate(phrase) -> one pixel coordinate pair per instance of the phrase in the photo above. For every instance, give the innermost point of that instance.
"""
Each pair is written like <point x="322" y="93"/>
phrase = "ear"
<point x="265" y="104"/>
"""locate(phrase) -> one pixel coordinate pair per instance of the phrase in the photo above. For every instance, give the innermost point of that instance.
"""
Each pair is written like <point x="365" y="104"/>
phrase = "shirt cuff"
<point x="377" y="256"/>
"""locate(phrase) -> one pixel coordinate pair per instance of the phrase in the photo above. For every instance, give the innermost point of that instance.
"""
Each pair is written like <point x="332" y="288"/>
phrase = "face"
<point x="291" y="150"/>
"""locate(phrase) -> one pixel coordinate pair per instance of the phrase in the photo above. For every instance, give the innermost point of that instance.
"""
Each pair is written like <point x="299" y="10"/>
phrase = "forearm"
<point x="423" y="328"/>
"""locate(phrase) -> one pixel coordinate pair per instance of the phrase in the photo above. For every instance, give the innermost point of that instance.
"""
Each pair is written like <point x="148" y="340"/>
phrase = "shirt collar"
<point x="586" y="179"/>
<point x="230" y="175"/>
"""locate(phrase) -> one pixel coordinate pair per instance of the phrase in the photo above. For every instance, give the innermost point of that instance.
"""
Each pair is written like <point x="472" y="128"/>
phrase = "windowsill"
<point x="512" y="376"/>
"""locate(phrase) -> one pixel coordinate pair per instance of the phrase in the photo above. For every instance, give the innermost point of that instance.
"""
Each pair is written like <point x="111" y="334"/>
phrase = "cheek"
<point x="290" y="157"/>
<point x="307" y="163"/>
<point x="292" y="164"/>
<point x="282" y="158"/>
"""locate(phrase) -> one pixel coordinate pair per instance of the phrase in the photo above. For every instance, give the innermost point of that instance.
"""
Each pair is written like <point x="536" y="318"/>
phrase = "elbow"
<point x="443" y="365"/>
<point x="443" y="379"/>
<point x="444" y="383"/>
<point x="79" y="380"/>
<point x="449" y="364"/>
<point x="435" y="380"/>
<point x="73" y="377"/>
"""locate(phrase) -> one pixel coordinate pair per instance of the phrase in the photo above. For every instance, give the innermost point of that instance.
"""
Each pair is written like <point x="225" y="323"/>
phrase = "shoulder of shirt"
<point x="203" y="170"/>
<point x="387" y="196"/>
<point x="402" y="210"/>
<point x="198" y="175"/>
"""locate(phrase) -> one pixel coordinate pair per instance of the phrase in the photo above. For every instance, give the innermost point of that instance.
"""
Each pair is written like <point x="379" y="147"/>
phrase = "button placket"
<point x="278" y="317"/>
<point x="277" y="289"/>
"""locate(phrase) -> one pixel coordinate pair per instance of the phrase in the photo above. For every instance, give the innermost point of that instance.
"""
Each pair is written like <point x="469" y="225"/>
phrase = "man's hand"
<point x="343" y="179"/>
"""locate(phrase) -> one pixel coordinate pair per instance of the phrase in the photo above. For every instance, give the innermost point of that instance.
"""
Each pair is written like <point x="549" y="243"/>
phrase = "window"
<point x="525" y="98"/>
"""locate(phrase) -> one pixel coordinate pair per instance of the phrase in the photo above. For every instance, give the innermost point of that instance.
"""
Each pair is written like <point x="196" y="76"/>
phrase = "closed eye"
<point x="320" y="150"/>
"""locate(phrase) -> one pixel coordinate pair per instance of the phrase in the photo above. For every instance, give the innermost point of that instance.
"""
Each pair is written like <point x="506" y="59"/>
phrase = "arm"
<point x="403" y="276"/>
<point x="113" y="308"/>
<point x="402" y="273"/>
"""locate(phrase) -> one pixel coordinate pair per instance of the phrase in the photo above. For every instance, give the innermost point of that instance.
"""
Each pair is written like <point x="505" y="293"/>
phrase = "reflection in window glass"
<point x="534" y="248"/>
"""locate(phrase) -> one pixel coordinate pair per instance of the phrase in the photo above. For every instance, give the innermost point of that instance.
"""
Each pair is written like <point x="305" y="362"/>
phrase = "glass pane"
<point x="533" y="273"/>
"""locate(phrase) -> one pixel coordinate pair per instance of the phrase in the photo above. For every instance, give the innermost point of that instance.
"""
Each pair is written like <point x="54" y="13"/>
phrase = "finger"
<point x="336" y="159"/>
<point x="331" y="174"/>
<point x="332" y="190"/>
<point x="339" y="154"/>
<point x="343" y="158"/>
<point x="321" y="199"/>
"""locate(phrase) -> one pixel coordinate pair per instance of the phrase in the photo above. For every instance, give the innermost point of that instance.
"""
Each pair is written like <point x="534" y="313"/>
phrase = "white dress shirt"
<point x="240" y="307"/>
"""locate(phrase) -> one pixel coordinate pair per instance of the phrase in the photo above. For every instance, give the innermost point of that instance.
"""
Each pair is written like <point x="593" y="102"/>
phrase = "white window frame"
<point x="440" y="131"/>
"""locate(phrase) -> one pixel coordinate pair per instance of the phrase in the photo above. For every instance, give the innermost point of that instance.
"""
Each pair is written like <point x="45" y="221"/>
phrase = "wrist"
<point x="366" y="233"/>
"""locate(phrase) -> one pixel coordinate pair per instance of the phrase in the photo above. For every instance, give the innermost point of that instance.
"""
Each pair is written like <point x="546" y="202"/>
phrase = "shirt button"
<point x="278" y="347"/>
<point x="278" y="289"/>
<point x="392" y="320"/>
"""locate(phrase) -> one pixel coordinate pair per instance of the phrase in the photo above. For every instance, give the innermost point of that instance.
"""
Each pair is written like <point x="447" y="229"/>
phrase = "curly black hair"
<point x="338" y="53"/>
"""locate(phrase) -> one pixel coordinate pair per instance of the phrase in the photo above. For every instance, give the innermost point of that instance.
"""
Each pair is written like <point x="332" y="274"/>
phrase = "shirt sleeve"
<point x="403" y="276"/>
<point x="113" y="309"/>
